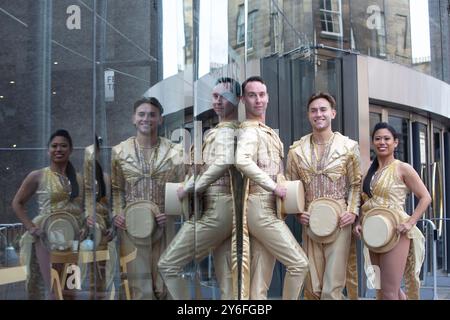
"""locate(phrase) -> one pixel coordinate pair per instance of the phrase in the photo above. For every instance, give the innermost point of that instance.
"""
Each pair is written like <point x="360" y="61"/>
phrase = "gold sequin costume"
<point x="335" y="175"/>
<point x="141" y="174"/>
<point x="53" y="195"/>
<point x="259" y="156"/>
<point x="389" y="191"/>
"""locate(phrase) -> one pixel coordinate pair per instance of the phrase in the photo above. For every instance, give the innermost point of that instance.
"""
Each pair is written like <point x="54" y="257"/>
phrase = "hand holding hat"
<point x="346" y="219"/>
<point x="280" y="191"/>
<point x="119" y="221"/>
<point x="161" y="219"/>
<point x="290" y="197"/>
<point x="181" y="193"/>
<point x="303" y="218"/>
<point x="35" y="231"/>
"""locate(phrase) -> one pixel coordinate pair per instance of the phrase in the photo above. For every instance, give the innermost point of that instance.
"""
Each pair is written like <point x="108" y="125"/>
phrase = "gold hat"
<point x="172" y="204"/>
<point x="60" y="229"/>
<point x="140" y="219"/>
<point x="379" y="229"/>
<point x="324" y="220"/>
<point x="294" y="202"/>
<point x="99" y="229"/>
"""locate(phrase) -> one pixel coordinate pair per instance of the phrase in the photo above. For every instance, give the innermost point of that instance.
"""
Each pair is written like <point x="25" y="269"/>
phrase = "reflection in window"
<point x="402" y="27"/>
<point x="241" y="27"/>
<point x="331" y="17"/>
<point x="381" y="36"/>
<point x="374" y="118"/>
<point x="401" y="126"/>
<point x="251" y="23"/>
<point x="420" y="31"/>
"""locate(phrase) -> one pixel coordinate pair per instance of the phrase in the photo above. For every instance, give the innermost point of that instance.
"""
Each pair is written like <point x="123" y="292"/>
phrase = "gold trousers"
<point x="144" y="280"/>
<point x="196" y="240"/>
<point x="328" y="266"/>
<point x="270" y="239"/>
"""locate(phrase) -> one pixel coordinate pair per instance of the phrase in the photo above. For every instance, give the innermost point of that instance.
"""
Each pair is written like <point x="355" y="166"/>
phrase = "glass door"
<point x="437" y="194"/>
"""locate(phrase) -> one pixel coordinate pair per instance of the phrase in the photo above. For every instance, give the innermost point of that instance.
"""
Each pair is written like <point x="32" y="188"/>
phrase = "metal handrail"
<point x="10" y="225"/>
<point x="433" y="226"/>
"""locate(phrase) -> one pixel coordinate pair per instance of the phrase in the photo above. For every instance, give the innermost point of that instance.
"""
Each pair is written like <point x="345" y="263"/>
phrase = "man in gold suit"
<point x="212" y="231"/>
<point x="259" y="156"/>
<point x="328" y="164"/>
<point x="141" y="166"/>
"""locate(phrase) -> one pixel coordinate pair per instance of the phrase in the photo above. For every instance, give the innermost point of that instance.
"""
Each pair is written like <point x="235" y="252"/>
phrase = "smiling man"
<point x="141" y="166"/>
<point x="328" y="164"/>
<point x="213" y="183"/>
<point x="259" y="156"/>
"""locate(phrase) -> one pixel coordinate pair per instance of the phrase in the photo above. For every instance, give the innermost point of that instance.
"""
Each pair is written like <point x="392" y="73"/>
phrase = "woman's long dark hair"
<point x="99" y="173"/>
<point x="70" y="170"/>
<point x="374" y="166"/>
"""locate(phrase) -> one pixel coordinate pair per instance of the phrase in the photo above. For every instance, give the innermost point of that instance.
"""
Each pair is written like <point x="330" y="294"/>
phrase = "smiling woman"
<point x="58" y="190"/>
<point x="386" y="185"/>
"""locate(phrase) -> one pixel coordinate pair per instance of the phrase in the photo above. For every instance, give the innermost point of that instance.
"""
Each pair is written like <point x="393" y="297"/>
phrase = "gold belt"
<point x="222" y="181"/>
<point x="218" y="189"/>
<point x="258" y="189"/>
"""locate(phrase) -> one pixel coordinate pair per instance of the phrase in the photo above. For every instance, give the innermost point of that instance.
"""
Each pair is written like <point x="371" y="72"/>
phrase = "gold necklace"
<point x="323" y="143"/>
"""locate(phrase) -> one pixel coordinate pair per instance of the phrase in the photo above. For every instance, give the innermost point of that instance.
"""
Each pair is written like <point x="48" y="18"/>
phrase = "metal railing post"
<point x="433" y="227"/>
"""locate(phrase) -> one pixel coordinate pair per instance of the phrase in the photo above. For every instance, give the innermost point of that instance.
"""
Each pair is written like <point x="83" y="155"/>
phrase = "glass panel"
<point x="47" y="50"/>
<point x="401" y="126"/>
<point x="406" y="32"/>
<point x="438" y="196"/>
<point x="86" y="65"/>
<point x="374" y="118"/>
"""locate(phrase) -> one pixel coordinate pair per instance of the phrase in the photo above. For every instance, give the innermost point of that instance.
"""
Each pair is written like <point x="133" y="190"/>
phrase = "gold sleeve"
<point x="224" y="158"/>
<point x="247" y="148"/>
<point x="292" y="167"/>
<point x="354" y="178"/>
<point x="189" y="185"/>
<point x="117" y="184"/>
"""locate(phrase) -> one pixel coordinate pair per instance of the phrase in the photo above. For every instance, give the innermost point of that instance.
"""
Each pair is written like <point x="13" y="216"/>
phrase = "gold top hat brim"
<point x="172" y="204"/>
<point x="332" y="227"/>
<point x="279" y="202"/>
<point x="64" y="223"/>
<point x="100" y="226"/>
<point x="294" y="202"/>
<point x="140" y="218"/>
<point x="390" y="216"/>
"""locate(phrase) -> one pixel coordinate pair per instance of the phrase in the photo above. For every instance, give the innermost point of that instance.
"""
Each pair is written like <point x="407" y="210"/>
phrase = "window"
<point x="251" y="22"/>
<point x="381" y="36"/>
<point x="331" y="17"/>
<point x="401" y="126"/>
<point x="401" y="22"/>
<point x="240" y="35"/>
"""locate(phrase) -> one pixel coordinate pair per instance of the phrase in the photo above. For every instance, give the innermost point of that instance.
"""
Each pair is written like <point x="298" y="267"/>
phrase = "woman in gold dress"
<point x="386" y="185"/>
<point x="58" y="189"/>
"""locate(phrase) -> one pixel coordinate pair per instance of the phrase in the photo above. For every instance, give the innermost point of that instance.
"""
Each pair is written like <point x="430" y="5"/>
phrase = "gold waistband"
<point x="258" y="189"/>
<point x="213" y="189"/>
<point x="222" y="181"/>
